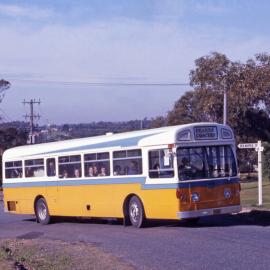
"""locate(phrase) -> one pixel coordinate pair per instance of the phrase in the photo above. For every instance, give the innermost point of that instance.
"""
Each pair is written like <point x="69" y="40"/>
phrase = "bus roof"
<point x="149" y="137"/>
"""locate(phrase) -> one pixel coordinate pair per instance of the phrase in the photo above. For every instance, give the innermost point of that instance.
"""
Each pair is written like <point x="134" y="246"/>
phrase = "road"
<point x="222" y="242"/>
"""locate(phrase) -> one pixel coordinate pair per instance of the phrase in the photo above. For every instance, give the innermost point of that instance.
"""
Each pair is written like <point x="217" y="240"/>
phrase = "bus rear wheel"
<point x="136" y="212"/>
<point x="42" y="212"/>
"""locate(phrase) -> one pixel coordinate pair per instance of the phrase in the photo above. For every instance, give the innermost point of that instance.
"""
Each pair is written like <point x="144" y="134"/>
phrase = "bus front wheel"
<point x="136" y="212"/>
<point x="42" y="212"/>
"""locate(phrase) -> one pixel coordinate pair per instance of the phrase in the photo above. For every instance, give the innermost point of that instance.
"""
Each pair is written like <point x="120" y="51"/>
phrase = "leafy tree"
<point x="248" y="88"/>
<point x="4" y="85"/>
<point x="196" y="106"/>
<point x="159" y="121"/>
<point x="10" y="137"/>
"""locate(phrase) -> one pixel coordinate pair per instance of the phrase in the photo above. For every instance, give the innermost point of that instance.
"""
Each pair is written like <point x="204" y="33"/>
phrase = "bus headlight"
<point x="227" y="193"/>
<point x="195" y="197"/>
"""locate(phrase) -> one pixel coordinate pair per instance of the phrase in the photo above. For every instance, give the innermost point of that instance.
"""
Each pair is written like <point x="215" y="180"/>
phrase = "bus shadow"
<point x="252" y="218"/>
<point x="86" y="220"/>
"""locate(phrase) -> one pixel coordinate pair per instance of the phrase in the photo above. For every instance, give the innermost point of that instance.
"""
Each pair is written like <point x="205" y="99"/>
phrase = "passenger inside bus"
<point x="133" y="168"/>
<point x="102" y="171"/>
<point x="117" y="170"/>
<point x="29" y="172"/>
<point x="51" y="168"/>
<point x="65" y="174"/>
<point x="90" y="171"/>
<point x="77" y="173"/>
<point x="95" y="170"/>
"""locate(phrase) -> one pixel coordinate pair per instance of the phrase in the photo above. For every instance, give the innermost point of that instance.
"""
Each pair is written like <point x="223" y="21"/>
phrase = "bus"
<point x="181" y="172"/>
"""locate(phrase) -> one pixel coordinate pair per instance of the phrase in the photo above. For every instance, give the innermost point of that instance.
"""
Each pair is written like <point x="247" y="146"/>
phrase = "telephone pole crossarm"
<point x="32" y="116"/>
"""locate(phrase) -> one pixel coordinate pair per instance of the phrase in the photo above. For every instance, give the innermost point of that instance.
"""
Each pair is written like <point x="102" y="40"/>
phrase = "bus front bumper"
<point x="209" y="212"/>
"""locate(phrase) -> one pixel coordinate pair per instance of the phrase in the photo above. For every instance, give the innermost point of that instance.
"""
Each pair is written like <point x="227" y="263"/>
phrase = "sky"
<point x="115" y="60"/>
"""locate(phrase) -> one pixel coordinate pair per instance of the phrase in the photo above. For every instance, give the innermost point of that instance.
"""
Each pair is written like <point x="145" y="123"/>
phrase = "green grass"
<point x="249" y="194"/>
<point x="45" y="254"/>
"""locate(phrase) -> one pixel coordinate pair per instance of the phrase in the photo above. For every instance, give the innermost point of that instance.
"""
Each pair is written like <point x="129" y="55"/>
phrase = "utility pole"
<point x="32" y="116"/>
<point x="225" y="106"/>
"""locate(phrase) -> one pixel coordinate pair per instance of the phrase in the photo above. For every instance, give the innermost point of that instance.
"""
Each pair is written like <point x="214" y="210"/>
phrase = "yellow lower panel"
<point x="24" y="198"/>
<point x="101" y="200"/>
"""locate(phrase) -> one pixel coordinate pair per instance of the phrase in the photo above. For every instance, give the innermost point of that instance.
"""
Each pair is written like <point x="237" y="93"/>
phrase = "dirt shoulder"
<point x="43" y="254"/>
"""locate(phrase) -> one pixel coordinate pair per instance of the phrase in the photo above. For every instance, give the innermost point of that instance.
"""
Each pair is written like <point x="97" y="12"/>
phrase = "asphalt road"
<point x="222" y="242"/>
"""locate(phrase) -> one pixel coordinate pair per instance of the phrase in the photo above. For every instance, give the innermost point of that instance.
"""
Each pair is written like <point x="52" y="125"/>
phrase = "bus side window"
<point x="160" y="164"/>
<point x="127" y="162"/>
<point x="34" y="167"/>
<point x="97" y="164"/>
<point x="13" y="169"/>
<point x="69" y="166"/>
<point x="51" y="167"/>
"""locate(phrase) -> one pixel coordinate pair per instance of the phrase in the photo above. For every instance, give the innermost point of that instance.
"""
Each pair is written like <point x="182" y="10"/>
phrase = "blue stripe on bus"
<point x="133" y="180"/>
<point x="209" y="183"/>
<point x="202" y="183"/>
<point x="128" y="142"/>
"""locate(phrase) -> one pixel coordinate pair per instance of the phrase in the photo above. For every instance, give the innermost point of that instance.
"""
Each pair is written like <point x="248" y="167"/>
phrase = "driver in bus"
<point x="184" y="169"/>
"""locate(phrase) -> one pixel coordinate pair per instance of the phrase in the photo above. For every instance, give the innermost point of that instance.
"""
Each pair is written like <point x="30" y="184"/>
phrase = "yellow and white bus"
<point x="180" y="172"/>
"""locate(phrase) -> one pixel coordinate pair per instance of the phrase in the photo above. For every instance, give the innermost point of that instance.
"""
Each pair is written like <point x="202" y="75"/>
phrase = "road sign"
<point x="247" y="145"/>
<point x="258" y="148"/>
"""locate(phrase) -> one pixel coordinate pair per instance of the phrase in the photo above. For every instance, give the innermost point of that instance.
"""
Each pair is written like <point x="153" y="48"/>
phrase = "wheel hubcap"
<point x="42" y="211"/>
<point x="134" y="212"/>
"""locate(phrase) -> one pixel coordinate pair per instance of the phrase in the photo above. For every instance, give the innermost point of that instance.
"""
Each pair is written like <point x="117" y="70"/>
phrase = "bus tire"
<point x="42" y="212"/>
<point x="136" y="212"/>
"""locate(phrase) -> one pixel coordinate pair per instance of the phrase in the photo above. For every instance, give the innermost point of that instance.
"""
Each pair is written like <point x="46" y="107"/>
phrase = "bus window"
<point x="51" y="167"/>
<point x="69" y="166"/>
<point x="206" y="162"/>
<point x="34" y="167"/>
<point x="128" y="162"/>
<point x="160" y="164"/>
<point x="97" y="164"/>
<point x="13" y="169"/>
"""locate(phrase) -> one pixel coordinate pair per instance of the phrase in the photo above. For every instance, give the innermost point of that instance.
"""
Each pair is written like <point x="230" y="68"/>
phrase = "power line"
<point x="161" y="84"/>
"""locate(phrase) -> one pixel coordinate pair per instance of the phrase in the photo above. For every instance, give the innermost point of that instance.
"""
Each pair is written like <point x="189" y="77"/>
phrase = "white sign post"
<point x="258" y="147"/>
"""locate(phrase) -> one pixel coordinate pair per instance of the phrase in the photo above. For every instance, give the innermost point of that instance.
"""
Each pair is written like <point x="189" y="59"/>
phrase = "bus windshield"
<point x="205" y="162"/>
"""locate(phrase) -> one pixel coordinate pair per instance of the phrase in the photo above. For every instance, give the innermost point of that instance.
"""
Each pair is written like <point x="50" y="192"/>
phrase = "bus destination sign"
<point x="205" y="133"/>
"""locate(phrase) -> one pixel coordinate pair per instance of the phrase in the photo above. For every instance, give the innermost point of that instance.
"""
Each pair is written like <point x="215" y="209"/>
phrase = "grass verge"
<point x="43" y="254"/>
<point x="249" y="194"/>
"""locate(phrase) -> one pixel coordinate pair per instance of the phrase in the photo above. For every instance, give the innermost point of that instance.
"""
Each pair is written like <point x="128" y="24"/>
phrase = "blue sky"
<point x="44" y="43"/>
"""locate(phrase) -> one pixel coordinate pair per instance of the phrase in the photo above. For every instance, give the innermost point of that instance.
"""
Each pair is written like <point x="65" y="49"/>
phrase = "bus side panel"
<point x="23" y="197"/>
<point x="160" y="204"/>
<point x="107" y="201"/>
<point x="93" y="200"/>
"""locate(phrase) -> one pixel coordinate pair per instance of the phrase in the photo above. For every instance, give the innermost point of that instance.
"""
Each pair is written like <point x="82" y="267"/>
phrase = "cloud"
<point x="33" y="13"/>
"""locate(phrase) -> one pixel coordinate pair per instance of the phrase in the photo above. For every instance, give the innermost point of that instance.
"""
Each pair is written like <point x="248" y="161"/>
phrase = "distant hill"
<point x="70" y="131"/>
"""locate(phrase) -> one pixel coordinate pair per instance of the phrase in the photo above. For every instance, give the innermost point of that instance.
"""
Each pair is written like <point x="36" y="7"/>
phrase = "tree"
<point x="4" y="85"/>
<point x="248" y="88"/>
<point x="196" y="106"/>
<point x="159" y="121"/>
<point x="10" y="137"/>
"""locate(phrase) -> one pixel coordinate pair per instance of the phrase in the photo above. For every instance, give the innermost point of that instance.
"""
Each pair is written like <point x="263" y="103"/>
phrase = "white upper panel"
<point x="166" y="135"/>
